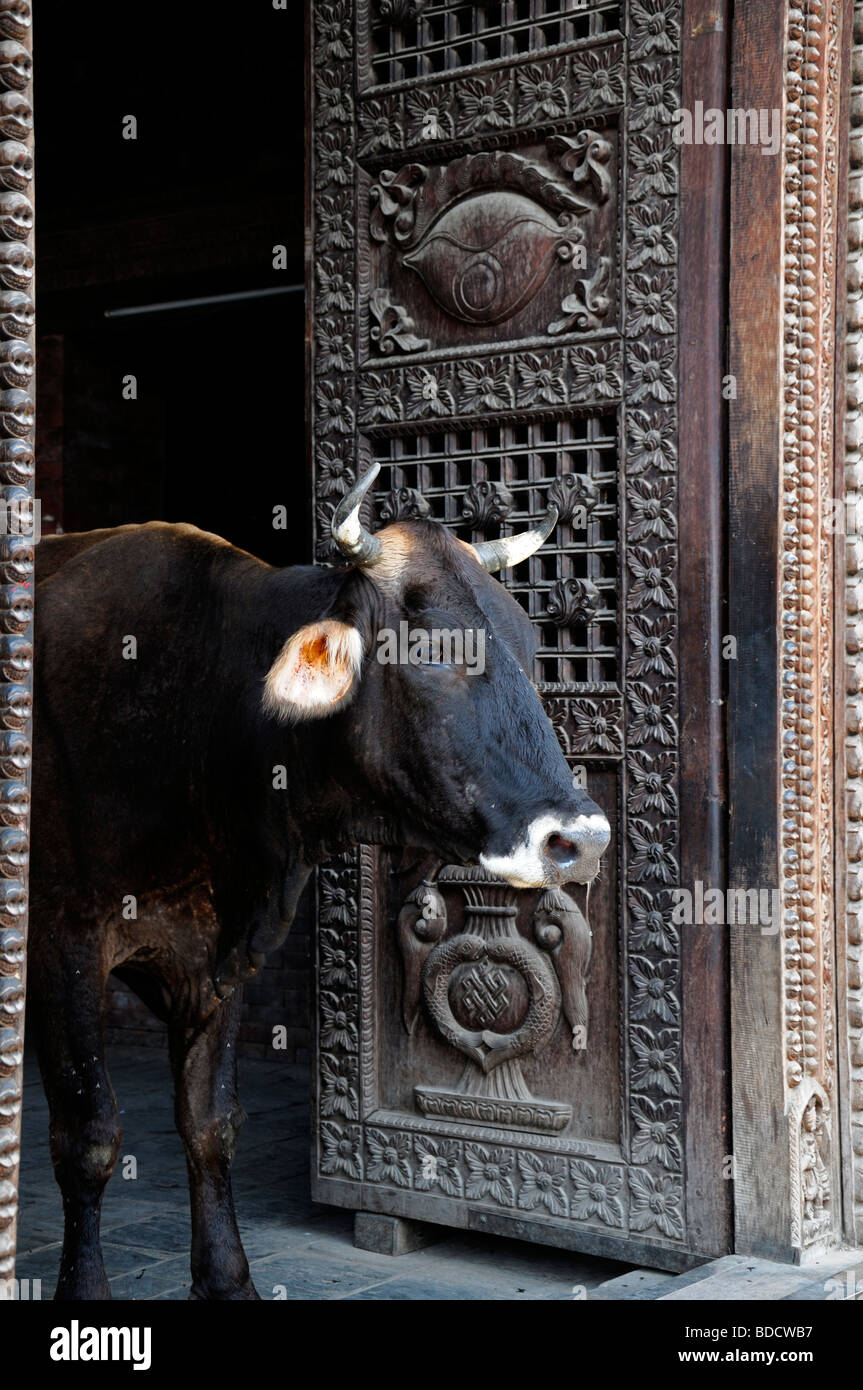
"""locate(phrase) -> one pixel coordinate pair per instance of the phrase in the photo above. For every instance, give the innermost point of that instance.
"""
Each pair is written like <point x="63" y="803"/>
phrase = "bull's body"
<point x="169" y="846"/>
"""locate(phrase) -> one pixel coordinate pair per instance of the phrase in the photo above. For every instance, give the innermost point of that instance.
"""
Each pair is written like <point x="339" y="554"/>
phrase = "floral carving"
<point x="653" y="441"/>
<point x="389" y="1158"/>
<point x="541" y="378"/>
<point x="334" y="98"/>
<point x="439" y="1166"/>
<point x="651" y="925"/>
<point x="485" y="104"/>
<point x="652" y="714"/>
<point x="655" y="1202"/>
<point x="334" y="286"/>
<point x="654" y="989"/>
<point x="488" y="1174"/>
<point x="338" y="1021"/>
<point x="339" y="1094"/>
<point x="341" y="1156"/>
<point x="653" y="847"/>
<point x="655" y="1059"/>
<point x="429" y="113"/>
<point x="655" y="28"/>
<point x="596" y="372"/>
<point x="485" y="384"/>
<point x="333" y="410"/>
<point x="335" y="474"/>
<point x="596" y="1189"/>
<point x="333" y="27"/>
<point x="333" y="161"/>
<point x="653" y="161"/>
<point x="380" y="125"/>
<point x="653" y="577"/>
<point x="379" y="399"/>
<point x="597" y="727"/>
<point x="597" y="78"/>
<point x="655" y="94"/>
<point x="652" y="782"/>
<point x="656" y="1132"/>
<point x="334" y="347"/>
<point x="429" y="392"/>
<point x="543" y="1183"/>
<point x="652" y="235"/>
<point x="541" y="91"/>
<point x="335" y="223"/>
<point x="651" y="367"/>
<point x="652" y="303"/>
<point x="651" y="646"/>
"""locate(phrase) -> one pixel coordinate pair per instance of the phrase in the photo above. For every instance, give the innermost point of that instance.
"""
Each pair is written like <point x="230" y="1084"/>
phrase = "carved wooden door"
<point x="494" y="311"/>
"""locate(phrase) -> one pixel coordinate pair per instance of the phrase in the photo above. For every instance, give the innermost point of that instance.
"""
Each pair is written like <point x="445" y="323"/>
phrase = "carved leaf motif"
<point x="399" y="13"/>
<point x="588" y="304"/>
<point x="572" y="600"/>
<point x="486" y="104"/>
<point x="573" y="494"/>
<point x="486" y="502"/>
<point x="392" y="199"/>
<point x="404" y="503"/>
<point x="393" y="326"/>
<point x="586" y="158"/>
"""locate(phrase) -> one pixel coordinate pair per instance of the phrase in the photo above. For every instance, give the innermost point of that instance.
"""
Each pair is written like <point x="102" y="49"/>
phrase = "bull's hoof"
<point x="242" y="1293"/>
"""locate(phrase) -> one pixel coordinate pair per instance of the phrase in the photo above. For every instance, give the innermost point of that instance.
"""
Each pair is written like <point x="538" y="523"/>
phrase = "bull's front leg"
<point x="209" y="1116"/>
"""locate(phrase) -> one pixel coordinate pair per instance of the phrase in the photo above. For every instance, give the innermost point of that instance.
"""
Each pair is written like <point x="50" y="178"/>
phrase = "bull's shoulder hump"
<point x="147" y="543"/>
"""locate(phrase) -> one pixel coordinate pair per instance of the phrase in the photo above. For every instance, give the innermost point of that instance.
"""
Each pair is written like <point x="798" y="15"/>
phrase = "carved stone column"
<point x="18" y="532"/>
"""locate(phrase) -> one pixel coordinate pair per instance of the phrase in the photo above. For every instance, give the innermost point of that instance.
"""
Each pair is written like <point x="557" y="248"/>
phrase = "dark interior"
<point x="195" y="208"/>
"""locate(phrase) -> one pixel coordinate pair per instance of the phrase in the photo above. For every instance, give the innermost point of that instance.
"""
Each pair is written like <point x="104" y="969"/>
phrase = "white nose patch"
<point x="528" y="866"/>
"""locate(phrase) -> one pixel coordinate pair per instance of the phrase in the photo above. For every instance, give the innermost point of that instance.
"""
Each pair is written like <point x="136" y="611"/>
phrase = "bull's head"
<point x="460" y="758"/>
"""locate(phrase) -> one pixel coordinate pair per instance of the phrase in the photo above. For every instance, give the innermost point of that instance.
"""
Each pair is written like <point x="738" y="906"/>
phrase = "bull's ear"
<point x="316" y="671"/>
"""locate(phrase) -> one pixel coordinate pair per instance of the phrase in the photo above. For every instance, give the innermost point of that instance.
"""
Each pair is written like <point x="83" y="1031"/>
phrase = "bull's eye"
<point x="487" y="256"/>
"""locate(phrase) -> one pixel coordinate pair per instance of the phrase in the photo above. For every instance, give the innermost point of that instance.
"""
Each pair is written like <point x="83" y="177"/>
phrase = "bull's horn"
<point x="349" y="534"/>
<point x="511" y="550"/>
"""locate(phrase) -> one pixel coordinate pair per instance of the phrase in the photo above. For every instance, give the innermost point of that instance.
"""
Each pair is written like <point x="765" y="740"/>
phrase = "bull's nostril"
<point x="562" y="852"/>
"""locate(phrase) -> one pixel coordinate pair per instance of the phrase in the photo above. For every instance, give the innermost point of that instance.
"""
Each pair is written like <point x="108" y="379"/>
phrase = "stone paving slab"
<point x="297" y="1249"/>
<point x="300" y="1250"/>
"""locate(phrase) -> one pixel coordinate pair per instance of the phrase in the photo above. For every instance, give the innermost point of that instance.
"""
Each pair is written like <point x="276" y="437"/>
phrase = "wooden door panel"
<point x="494" y="290"/>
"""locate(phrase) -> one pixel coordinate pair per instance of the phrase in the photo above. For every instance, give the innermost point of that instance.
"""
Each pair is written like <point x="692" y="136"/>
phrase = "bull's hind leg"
<point x="85" y="1132"/>
<point x="209" y="1116"/>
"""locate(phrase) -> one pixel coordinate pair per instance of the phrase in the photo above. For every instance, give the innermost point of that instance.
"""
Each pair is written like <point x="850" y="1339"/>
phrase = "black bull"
<point x="208" y="729"/>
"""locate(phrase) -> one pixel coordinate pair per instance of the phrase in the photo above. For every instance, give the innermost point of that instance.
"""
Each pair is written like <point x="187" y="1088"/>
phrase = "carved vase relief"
<point x="493" y="994"/>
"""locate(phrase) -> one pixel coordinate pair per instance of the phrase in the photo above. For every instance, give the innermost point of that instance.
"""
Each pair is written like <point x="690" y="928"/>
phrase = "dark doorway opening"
<point x="170" y="311"/>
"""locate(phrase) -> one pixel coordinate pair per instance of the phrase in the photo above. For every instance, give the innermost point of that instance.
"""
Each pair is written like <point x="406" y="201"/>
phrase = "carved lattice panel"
<point x="495" y="321"/>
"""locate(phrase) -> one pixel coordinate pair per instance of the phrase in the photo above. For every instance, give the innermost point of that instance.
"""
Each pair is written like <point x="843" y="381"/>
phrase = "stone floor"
<point x="296" y="1248"/>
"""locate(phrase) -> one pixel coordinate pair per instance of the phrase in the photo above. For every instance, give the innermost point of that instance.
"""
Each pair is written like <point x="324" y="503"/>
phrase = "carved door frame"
<point x="793" y="715"/>
<point x="678" y="1209"/>
<point x="18" y="532"/>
